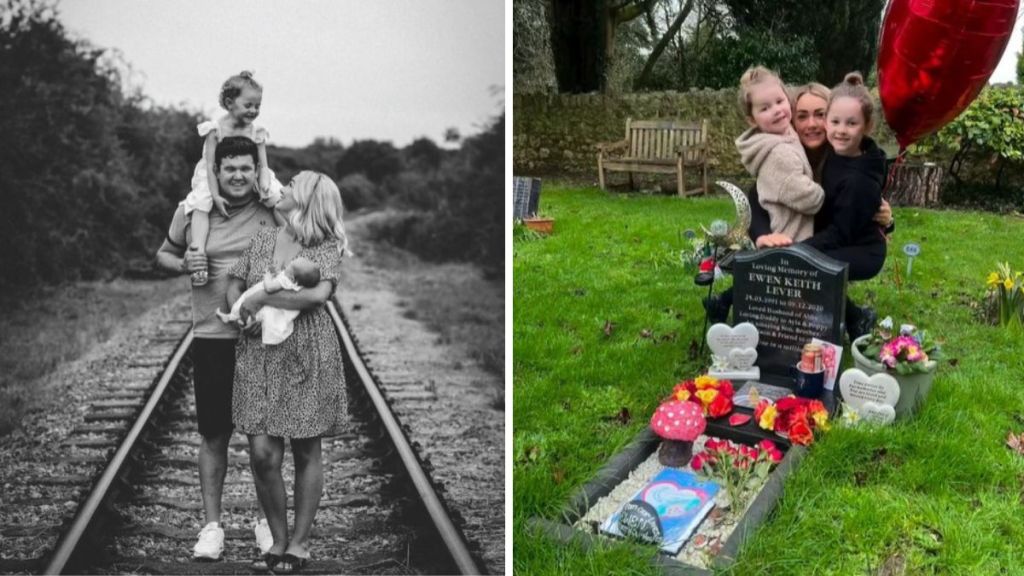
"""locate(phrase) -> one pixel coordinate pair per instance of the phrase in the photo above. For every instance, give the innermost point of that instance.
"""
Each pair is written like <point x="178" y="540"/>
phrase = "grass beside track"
<point x="604" y="316"/>
<point x="42" y="329"/>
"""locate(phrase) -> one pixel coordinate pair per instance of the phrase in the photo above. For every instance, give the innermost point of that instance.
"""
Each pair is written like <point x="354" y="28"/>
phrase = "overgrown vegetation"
<point x="605" y="317"/>
<point x="92" y="170"/>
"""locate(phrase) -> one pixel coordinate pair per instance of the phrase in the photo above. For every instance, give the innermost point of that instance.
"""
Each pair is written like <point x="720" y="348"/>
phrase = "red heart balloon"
<point x="935" y="56"/>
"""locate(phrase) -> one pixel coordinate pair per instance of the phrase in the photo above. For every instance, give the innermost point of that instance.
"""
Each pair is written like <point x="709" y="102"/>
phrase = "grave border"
<point x="618" y="468"/>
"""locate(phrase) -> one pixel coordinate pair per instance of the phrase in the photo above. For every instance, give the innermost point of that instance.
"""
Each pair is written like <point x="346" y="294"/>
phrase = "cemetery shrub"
<point x="983" y="150"/>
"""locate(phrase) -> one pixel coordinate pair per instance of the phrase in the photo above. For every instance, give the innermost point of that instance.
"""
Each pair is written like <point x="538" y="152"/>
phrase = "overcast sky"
<point x="1006" y="70"/>
<point x="384" y="69"/>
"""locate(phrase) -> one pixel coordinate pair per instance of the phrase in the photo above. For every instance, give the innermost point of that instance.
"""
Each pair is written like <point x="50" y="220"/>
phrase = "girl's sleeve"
<point x="328" y="260"/>
<point x="855" y="209"/>
<point x="782" y="181"/>
<point x="205" y="128"/>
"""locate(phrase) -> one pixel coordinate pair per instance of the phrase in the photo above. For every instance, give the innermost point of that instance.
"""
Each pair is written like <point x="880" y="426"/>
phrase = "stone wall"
<point x="558" y="134"/>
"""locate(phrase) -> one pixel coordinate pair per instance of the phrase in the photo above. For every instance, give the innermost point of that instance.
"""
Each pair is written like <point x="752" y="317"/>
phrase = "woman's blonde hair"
<point x="318" y="211"/>
<point x="752" y="77"/>
<point x="853" y="86"/>
<point x="812" y="88"/>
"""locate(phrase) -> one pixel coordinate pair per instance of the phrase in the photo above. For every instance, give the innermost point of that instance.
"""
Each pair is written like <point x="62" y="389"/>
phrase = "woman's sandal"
<point x="266" y="563"/>
<point x="294" y="562"/>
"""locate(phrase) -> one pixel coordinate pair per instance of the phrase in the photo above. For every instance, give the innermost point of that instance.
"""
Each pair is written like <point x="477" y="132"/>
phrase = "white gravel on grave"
<point x="704" y="544"/>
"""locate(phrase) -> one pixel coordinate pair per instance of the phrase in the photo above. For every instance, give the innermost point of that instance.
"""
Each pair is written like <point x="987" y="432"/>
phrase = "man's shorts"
<point x="213" y="364"/>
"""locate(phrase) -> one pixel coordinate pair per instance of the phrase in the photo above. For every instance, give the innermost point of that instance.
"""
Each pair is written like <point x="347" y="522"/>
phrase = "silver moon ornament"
<point x="737" y="235"/>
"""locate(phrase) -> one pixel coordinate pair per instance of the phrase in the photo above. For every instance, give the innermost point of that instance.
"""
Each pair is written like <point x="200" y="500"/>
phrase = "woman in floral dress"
<point x="295" y="389"/>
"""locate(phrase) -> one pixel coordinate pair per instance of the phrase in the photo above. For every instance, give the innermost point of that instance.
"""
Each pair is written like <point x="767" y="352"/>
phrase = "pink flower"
<point x="697" y="463"/>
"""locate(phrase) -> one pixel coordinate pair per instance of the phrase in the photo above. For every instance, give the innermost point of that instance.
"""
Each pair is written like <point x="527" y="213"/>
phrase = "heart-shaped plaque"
<point x="722" y="338"/>
<point x="742" y="358"/>
<point x="858" y="389"/>
<point x="876" y="413"/>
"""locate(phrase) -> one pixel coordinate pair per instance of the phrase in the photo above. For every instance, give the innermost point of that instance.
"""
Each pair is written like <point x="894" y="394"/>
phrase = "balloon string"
<point x="901" y="156"/>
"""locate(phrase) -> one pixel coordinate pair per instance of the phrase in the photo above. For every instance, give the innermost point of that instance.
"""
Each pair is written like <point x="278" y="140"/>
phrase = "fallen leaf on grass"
<point x="895" y="565"/>
<point x="558" y="475"/>
<point x="576" y="350"/>
<point x="1015" y="442"/>
<point x="623" y="417"/>
<point x="609" y="327"/>
<point x="694" y="350"/>
<point x="953" y="362"/>
<point x="646" y="333"/>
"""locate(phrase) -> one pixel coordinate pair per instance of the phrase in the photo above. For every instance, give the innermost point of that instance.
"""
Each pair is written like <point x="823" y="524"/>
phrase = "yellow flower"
<point x="683" y="395"/>
<point x="1008" y="283"/>
<point x="820" y="419"/>
<point x="705" y="381"/>
<point x="706" y="396"/>
<point x="768" y="417"/>
<point x="993" y="279"/>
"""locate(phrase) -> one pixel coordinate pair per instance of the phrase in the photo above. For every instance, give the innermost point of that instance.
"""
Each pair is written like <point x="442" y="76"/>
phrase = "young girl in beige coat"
<point x="770" y="150"/>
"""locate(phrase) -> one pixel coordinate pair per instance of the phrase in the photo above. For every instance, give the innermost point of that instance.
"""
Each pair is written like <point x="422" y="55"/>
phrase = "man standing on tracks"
<point x="236" y="164"/>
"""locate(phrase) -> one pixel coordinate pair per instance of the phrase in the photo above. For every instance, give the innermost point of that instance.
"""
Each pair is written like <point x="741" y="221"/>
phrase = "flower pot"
<point x="540" y="225"/>
<point x="914" y="388"/>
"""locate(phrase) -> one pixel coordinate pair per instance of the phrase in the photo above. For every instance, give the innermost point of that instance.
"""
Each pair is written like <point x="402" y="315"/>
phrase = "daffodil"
<point x="1008" y="283"/>
<point x="993" y="279"/>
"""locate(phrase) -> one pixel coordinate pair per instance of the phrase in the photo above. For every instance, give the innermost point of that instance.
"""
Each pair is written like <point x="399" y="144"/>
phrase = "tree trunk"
<point x="673" y="29"/>
<point x="578" y="44"/>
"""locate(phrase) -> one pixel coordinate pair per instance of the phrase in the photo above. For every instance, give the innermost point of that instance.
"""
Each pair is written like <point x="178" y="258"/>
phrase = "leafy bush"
<point x="985" y="145"/>
<point x="358" y="192"/>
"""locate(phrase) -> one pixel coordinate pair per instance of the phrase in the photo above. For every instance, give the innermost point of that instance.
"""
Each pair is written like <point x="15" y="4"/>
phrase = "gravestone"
<point x="525" y="197"/>
<point x="791" y="295"/>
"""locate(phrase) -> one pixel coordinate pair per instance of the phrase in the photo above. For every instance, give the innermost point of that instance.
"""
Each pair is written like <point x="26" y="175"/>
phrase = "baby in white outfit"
<point x="277" y="323"/>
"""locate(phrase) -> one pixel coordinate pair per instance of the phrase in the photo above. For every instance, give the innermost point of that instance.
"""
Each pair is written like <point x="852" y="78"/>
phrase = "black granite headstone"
<point x="639" y="520"/>
<point x="791" y="295"/>
<point x="525" y="197"/>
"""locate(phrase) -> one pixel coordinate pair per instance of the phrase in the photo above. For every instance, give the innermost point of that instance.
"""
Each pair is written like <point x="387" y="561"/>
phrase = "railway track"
<point x="132" y="482"/>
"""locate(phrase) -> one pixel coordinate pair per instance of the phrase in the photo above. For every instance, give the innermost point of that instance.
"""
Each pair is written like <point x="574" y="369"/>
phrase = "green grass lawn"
<point x="605" y="316"/>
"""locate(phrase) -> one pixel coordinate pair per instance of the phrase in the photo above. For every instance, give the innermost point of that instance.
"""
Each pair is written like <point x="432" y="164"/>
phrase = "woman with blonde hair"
<point x="296" y="389"/>
<point x="810" y="104"/>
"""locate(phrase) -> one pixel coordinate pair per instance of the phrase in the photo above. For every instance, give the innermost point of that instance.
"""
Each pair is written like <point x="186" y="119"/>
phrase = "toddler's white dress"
<point x="199" y="198"/>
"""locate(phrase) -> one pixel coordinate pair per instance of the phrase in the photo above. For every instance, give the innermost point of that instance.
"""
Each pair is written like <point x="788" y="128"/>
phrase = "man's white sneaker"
<point x="210" y="544"/>
<point x="264" y="539"/>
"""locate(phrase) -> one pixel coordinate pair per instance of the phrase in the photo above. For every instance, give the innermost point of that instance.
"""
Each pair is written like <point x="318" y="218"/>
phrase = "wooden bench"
<point x="658" y="147"/>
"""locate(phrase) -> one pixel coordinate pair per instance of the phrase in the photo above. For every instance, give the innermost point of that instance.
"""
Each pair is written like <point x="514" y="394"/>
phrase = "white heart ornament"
<point x="875" y="413"/>
<point x="858" y="389"/>
<point x="722" y="338"/>
<point x="742" y="358"/>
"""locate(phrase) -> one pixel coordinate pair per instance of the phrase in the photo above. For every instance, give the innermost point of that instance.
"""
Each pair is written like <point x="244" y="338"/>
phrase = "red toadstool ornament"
<point x="678" y="423"/>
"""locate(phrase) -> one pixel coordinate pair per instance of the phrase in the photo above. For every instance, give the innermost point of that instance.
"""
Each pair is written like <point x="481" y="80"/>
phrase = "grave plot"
<point x="713" y="545"/>
<point x="783" y="298"/>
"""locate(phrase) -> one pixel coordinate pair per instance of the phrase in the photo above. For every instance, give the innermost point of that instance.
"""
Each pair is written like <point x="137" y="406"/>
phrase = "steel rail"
<point x="99" y="491"/>
<point x="451" y="535"/>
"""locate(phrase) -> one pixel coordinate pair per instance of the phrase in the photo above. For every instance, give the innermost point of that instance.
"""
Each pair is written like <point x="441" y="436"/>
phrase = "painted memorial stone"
<point x="859" y="389"/>
<point x="733" y="351"/>
<point x="792" y="295"/>
<point x="639" y="520"/>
